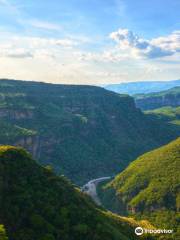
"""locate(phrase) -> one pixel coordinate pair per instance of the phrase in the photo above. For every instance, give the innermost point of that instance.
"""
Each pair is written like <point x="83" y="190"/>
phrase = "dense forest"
<point x="149" y="188"/>
<point x="35" y="204"/>
<point x="80" y="133"/>
<point x="84" y="132"/>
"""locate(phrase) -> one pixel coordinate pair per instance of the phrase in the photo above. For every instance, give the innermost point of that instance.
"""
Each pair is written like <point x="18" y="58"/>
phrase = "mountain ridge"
<point x="77" y="129"/>
<point x="39" y="205"/>
<point x="149" y="187"/>
<point x="140" y="87"/>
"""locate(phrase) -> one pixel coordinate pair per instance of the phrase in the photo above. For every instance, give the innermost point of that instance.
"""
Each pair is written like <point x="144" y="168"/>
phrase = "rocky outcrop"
<point x="32" y="144"/>
<point x="157" y="102"/>
<point x="16" y="114"/>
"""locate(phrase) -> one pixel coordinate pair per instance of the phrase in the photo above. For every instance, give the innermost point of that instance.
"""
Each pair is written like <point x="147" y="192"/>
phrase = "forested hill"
<point x="35" y="204"/>
<point x="151" y="101"/>
<point x="3" y="235"/>
<point x="85" y="132"/>
<point x="150" y="188"/>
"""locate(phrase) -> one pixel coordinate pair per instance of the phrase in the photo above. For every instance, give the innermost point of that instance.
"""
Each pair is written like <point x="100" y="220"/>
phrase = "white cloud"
<point x="44" y="54"/>
<point x="64" y="60"/>
<point x="17" y="53"/>
<point x="111" y="55"/>
<point x="42" y="24"/>
<point x="170" y="42"/>
<point x="130" y="46"/>
<point x="34" y="47"/>
<point x="65" y="42"/>
<point x="45" y="42"/>
<point x="127" y="39"/>
<point x="154" y="48"/>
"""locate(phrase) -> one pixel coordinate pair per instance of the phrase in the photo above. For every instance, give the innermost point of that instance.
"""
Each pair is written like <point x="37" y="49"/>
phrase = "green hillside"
<point x="166" y="114"/>
<point x="149" y="188"/>
<point x="84" y="132"/>
<point x="3" y="235"/>
<point x="170" y="97"/>
<point x="35" y="204"/>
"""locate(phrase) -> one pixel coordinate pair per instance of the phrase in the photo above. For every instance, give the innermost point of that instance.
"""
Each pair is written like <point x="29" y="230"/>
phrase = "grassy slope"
<point x="83" y="131"/>
<point x="149" y="187"/>
<point x="36" y="204"/>
<point x="166" y="114"/>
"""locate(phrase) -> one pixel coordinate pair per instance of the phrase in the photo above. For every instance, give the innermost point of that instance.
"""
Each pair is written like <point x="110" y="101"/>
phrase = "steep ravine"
<point x="82" y="131"/>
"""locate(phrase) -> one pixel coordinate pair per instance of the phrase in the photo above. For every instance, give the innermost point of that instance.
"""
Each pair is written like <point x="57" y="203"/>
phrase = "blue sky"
<point x="90" y="42"/>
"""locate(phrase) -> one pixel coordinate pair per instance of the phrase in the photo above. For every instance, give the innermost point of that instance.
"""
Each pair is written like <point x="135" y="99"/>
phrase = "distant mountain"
<point x="150" y="101"/>
<point x="84" y="132"/>
<point x="149" y="188"/>
<point x="132" y="88"/>
<point x="35" y="204"/>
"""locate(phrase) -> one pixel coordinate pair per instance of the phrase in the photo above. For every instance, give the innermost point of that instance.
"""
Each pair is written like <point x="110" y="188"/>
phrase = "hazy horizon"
<point x="91" y="84"/>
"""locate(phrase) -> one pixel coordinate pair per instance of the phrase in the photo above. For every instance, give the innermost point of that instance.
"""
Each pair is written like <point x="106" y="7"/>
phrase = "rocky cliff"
<point x="151" y="101"/>
<point x="84" y="132"/>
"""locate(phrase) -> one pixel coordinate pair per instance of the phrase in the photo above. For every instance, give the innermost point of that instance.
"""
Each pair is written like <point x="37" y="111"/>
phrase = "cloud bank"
<point x="71" y="60"/>
<point x="139" y="47"/>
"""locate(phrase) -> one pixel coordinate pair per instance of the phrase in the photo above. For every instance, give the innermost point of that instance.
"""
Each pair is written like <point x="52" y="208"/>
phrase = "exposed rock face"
<point x="157" y="100"/>
<point x="32" y="144"/>
<point x="22" y="115"/>
<point x="16" y="114"/>
<point x="85" y="132"/>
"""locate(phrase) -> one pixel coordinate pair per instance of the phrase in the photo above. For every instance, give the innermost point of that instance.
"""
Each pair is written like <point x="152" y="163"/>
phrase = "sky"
<point x="90" y="41"/>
